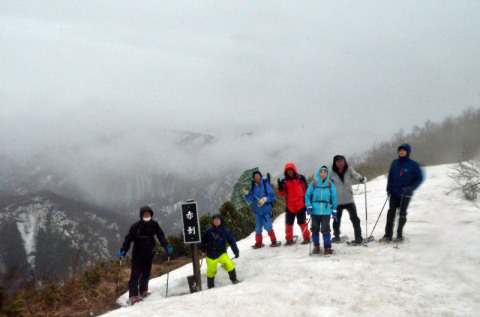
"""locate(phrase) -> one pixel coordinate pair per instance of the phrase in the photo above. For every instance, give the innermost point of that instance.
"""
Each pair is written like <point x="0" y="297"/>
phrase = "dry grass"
<point x="88" y="294"/>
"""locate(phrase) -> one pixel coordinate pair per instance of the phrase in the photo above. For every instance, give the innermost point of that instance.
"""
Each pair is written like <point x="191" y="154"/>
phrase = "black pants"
<point x="321" y="221"/>
<point x="290" y="217"/>
<point x="397" y="202"/>
<point x="140" y="273"/>
<point x="352" y="211"/>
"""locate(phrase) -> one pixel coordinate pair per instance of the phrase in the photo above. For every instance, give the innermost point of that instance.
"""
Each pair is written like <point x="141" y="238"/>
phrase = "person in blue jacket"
<point x="214" y="244"/>
<point x="262" y="196"/>
<point x="404" y="177"/>
<point x="321" y="201"/>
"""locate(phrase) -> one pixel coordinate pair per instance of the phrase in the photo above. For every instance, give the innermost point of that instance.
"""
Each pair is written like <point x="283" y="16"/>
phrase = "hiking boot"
<point x="275" y="244"/>
<point x="257" y="246"/>
<point x="328" y="251"/>
<point x="386" y="239"/>
<point x="398" y="239"/>
<point x="289" y="242"/>
<point x="235" y="282"/>
<point x="336" y="240"/>
<point x="132" y="300"/>
<point x="305" y="241"/>
<point x="211" y="282"/>
<point x="144" y="294"/>
<point x="316" y="250"/>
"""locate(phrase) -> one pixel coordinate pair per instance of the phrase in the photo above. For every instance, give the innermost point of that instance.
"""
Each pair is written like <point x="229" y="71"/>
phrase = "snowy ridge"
<point x="433" y="273"/>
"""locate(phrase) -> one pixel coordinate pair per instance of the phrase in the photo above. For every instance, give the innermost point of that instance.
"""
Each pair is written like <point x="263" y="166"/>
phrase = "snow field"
<point x="434" y="272"/>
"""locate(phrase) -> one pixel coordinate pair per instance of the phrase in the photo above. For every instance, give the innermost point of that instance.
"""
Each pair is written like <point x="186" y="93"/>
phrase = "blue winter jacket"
<point x="323" y="196"/>
<point x="214" y="241"/>
<point x="258" y="192"/>
<point x="405" y="175"/>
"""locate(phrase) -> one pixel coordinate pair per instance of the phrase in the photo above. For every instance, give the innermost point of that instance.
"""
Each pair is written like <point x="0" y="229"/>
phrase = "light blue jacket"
<point x="323" y="196"/>
<point x="258" y="192"/>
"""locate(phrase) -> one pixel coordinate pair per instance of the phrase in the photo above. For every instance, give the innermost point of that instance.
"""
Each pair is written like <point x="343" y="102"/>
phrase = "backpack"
<point x="265" y="189"/>
<point x="301" y="178"/>
<point x="329" y="189"/>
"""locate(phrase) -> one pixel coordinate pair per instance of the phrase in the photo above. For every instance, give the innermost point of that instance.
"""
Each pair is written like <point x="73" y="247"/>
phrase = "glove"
<point x="237" y="255"/>
<point x="169" y="249"/>
<point x="363" y="180"/>
<point x="262" y="201"/>
<point x="281" y="185"/>
<point x="334" y="215"/>
<point x="121" y="253"/>
<point x="245" y="191"/>
<point x="309" y="210"/>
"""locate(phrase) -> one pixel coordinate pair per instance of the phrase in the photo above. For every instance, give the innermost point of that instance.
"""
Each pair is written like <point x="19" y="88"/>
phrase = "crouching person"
<point x="142" y="234"/>
<point x="214" y="244"/>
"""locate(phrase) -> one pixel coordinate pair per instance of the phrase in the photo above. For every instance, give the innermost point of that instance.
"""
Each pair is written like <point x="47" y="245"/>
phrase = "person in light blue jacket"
<point x="321" y="202"/>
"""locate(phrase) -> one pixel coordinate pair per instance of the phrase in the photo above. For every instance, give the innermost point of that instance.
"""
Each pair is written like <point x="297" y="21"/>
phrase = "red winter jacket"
<point x="294" y="190"/>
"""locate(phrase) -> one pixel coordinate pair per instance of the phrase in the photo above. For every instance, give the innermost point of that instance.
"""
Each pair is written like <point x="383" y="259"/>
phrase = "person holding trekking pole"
<point x="262" y="196"/>
<point x="342" y="177"/>
<point x="142" y="234"/>
<point x="293" y="187"/>
<point x="321" y="201"/>
<point x="404" y="177"/>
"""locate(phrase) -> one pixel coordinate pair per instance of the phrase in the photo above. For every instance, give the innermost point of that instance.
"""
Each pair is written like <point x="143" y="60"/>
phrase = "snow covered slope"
<point x="435" y="272"/>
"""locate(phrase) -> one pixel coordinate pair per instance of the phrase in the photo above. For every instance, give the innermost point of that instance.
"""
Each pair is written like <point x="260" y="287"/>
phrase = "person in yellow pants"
<point x="214" y="245"/>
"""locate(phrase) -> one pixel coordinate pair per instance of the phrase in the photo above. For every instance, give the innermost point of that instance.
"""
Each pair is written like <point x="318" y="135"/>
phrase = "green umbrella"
<point x="238" y="197"/>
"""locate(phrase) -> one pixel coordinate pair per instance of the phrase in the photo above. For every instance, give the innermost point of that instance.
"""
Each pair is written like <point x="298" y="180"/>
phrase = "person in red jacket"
<point x="293" y="187"/>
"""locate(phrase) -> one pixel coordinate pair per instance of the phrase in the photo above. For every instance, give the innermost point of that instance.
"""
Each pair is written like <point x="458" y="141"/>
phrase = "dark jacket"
<point x="214" y="241"/>
<point x="405" y="175"/>
<point x="142" y="233"/>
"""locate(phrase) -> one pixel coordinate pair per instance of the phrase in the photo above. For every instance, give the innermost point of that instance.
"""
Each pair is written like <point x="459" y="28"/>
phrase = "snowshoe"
<point x="292" y="242"/>
<point x="336" y="240"/>
<point x="275" y="244"/>
<point x="328" y="251"/>
<point x="258" y="246"/>
<point x="355" y="243"/>
<point x="305" y="241"/>
<point x="385" y="239"/>
<point x="134" y="299"/>
<point x="316" y="250"/>
<point x="145" y="294"/>
<point x="342" y="239"/>
<point x="235" y="282"/>
<point x="398" y="240"/>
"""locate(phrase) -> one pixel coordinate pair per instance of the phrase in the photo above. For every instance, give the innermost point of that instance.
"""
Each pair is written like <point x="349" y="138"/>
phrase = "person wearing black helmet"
<point x="214" y="245"/>
<point x="142" y="234"/>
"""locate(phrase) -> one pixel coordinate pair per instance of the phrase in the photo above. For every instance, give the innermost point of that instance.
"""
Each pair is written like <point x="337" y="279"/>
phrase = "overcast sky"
<point x="332" y="76"/>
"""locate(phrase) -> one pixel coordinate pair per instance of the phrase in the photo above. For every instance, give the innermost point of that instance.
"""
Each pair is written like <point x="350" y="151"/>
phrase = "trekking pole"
<point x="305" y="227"/>
<point x="118" y="278"/>
<point x="168" y="273"/>
<point x="366" y="215"/>
<point x="377" y="219"/>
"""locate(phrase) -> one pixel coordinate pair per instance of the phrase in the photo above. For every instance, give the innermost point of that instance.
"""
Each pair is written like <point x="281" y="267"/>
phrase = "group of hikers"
<point x="326" y="197"/>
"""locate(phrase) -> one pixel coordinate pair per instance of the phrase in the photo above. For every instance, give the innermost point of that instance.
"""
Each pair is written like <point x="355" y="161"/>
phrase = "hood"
<point x="292" y="166"/>
<point x="145" y="209"/>
<point x="219" y="216"/>
<point x="407" y="147"/>
<point x="334" y="166"/>
<point x="319" y="180"/>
